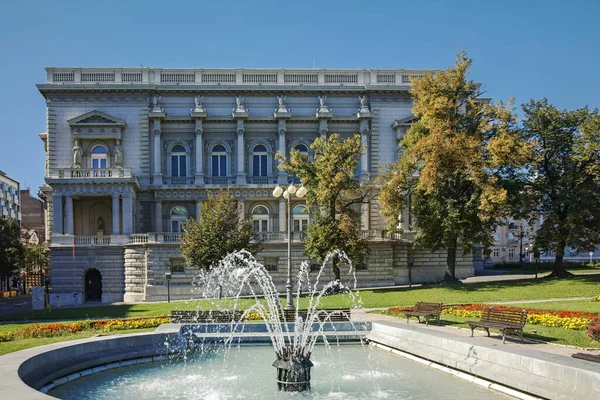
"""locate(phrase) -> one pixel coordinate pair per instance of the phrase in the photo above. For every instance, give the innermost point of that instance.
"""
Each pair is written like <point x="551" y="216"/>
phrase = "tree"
<point x="562" y="180"/>
<point x="335" y="192"/>
<point x="10" y="247"/>
<point x="456" y="157"/>
<point x="218" y="233"/>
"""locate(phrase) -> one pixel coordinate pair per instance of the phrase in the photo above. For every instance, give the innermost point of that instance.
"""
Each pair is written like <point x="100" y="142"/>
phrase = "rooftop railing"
<point x="199" y="76"/>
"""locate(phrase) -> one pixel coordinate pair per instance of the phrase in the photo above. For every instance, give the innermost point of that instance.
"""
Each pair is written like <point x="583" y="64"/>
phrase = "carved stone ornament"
<point x="156" y="103"/>
<point x="118" y="153"/>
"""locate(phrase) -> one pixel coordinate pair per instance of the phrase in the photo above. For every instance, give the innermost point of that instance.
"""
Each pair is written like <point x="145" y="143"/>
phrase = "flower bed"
<point x="560" y="319"/>
<point x="66" y="328"/>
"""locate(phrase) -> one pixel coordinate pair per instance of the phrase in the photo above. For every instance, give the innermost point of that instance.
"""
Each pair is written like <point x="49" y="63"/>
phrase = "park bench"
<point x="506" y="321"/>
<point x="195" y="316"/>
<point x="325" y="314"/>
<point x="426" y="310"/>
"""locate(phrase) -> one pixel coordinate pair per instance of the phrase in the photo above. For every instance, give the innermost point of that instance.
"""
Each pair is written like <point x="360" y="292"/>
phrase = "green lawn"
<point x="528" y="289"/>
<point x="22" y="344"/>
<point x="542" y="333"/>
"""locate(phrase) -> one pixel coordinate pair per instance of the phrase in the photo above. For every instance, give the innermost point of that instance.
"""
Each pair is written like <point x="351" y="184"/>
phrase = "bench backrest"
<point x="205" y="316"/>
<point x="513" y="317"/>
<point x="326" y="314"/>
<point x="428" y="307"/>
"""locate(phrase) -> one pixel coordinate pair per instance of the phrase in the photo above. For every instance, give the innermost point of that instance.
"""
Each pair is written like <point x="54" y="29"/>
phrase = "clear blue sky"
<point x="525" y="49"/>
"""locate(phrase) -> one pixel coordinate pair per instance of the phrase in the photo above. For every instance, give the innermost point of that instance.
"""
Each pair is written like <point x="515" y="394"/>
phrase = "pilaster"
<point x="156" y="114"/>
<point x="69" y="215"/>
<point x="324" y="113"/>
<point x="282" y="113"/>
<point x="57" y="213"/>
<point x="198" y="210"/>
<point x="127" y="214"/>
<point x="364" y="116"/>
<point x="116" y="213"/>
<point x="240" y="113"/>
<point x="158" y="220"/>
<point x="198" y="113"/>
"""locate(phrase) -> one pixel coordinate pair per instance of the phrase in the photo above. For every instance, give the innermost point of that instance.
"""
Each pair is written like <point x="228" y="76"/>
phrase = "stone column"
<point x="198" y="113"/>
<point x="156" y="115"/>
<point x="158" y="180"/>
<point x="365" y="136"/>
<point x="116" y="213"/>
<point x="241" y="153"/>
<point x="364" y="216"/>
<point x="158" y="220"/>
<point x="323" y="129"/>
<point x="364" y="115"/>
<point x="242" y="210"/>
<point x="281" y="174"/>
<point x="199" y="175"/>
<point x="282" y="215"/>
<point x="57" y="214"/>
<point x="69" y="215"/>
<point x="198" y="209"/>
<point x="127" y="214"/>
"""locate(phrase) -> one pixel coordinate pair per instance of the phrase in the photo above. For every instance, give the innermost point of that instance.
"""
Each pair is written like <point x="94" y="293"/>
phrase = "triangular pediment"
<point x="96" y="118"/>
<point x="405" y="121"/>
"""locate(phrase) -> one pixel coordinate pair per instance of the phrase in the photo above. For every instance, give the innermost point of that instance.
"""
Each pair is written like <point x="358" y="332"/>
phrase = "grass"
<point x="542" y="333"/>
<point x="22" y="344"/>
<point x="483" y="292"/>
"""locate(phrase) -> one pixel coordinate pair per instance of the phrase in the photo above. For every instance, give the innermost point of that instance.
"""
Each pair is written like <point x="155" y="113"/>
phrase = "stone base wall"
<point x="136" y="273"/>
<point x="68" y="271"/>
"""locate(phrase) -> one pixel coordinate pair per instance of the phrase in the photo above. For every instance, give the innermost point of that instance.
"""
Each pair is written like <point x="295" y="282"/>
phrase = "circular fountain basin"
<point x="245" y="372"/>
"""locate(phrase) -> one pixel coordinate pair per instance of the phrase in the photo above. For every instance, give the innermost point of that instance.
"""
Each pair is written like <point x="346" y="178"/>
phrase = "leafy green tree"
<point x="456" y="157"/>
<point x="10" y="247"/>
<point x="562" y="179"/>
<point x="335" y="194"/>
<point x="218" y="233"/>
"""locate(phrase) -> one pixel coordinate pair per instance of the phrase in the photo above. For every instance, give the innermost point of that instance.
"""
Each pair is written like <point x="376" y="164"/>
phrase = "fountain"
<point x="239" y="273"/>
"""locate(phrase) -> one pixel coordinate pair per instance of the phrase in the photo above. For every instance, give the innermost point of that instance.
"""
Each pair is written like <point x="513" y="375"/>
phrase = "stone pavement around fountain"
<point x="542" y="369"/>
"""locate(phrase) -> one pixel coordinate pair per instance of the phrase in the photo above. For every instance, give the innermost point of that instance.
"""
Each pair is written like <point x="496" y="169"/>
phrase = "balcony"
<point x="179" y="180"/>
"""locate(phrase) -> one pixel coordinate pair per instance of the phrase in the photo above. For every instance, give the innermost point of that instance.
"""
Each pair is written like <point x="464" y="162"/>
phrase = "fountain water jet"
<point x="239" y="273"/>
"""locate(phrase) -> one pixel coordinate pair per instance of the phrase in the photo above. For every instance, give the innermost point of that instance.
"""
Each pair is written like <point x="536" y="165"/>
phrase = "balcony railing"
<point x="179" y="180"/>
<point x="218" y="180"/>
<point x="90" y="173"/>
<point x="175" y="238"/>
<point x="260" y="180"/>
<point x="197" y="76"/>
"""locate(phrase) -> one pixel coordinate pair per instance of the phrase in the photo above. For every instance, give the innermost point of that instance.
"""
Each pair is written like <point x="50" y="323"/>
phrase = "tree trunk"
<point x="558" y="269"/>
<point x="336" y="269"/>
<point x="450" y="275"/>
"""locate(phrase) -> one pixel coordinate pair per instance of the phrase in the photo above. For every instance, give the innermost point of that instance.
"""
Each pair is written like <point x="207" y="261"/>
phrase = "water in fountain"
<point x="240" y="274"/>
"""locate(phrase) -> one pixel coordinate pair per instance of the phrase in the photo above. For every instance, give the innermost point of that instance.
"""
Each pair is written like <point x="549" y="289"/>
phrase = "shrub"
<point x="594" y="330"/>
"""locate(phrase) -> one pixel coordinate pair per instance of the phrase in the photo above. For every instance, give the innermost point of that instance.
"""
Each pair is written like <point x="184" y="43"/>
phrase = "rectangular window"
<point x="182" y="166"/>
<point x="174" y="169"/>
<point x="511" y="253"/>
<point x="215" y="165"/>
<point x="263" y="165"/>
<point x="223" y="166"/>
<point x="255" y="166"/>
<point x="496" y="252"/>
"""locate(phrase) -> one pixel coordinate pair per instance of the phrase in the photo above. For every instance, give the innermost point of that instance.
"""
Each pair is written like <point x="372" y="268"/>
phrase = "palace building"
<point x="131" y="153"/>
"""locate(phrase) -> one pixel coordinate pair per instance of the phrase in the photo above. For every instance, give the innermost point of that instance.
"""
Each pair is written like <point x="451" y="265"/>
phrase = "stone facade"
<point x="132" y="153"/>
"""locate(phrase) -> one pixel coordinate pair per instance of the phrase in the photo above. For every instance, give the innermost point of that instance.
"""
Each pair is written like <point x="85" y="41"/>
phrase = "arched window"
<point x="99" y="157"/>
<point x="259" y="161"/>
<point x="219" y="160"/>
<point x="260" y="219"/>
<point x="179" y="215"/>
<point x="302" y="149"/>
<point x="178" y="161"/>
<point x="300" y="218"/>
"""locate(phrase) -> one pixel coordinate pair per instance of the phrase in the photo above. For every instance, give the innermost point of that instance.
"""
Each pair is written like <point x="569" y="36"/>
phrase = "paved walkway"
<point x="363" y="315"/>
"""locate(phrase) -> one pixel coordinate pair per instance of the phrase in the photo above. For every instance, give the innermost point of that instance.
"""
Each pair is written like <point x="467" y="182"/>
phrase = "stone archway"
<point x="93" y="285"/>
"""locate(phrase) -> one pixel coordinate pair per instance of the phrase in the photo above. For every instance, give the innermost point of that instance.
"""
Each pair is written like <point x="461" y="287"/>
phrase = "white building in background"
<point x="131" y="153"/>
<point x="513" y="240"/>
<point x="10" y="201"/>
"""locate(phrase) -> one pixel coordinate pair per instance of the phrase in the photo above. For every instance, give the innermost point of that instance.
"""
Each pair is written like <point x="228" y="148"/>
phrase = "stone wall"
<point x="68" y="271"/>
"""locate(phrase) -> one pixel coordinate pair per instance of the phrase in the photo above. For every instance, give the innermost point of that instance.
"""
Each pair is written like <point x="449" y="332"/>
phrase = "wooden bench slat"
<point x="426" y="310"/>
<point x="504" y="320"/>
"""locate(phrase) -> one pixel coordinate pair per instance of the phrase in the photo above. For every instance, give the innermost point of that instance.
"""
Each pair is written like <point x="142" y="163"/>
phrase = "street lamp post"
<point x="168" y="276"/>
<point x="287" y="194"/>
